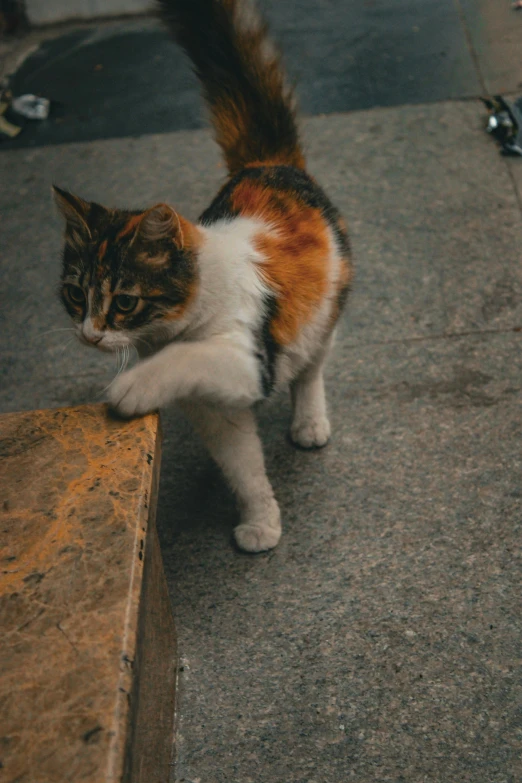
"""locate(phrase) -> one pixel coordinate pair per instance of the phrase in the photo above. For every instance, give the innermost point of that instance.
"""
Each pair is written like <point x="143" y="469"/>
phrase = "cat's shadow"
<point x="197" y="513"/>
<point x="196" y="509"/>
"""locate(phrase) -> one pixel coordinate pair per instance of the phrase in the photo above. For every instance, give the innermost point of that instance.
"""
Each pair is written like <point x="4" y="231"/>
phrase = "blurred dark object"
<point x="518" y="5"/>
<point x="505" y="123"/>
<point x="12" y="17"/>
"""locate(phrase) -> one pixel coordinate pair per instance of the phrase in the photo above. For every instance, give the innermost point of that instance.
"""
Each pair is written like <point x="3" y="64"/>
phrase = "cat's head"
<point x="128" y="276"/>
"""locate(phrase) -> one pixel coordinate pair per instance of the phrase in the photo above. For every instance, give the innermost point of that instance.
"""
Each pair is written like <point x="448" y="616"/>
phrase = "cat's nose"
<point x="90" y="333"/>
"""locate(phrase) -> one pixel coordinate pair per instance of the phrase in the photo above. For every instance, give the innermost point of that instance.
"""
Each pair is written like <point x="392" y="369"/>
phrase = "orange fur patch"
<point x="130" y="226"/>
<point x="345" y="275"/>
<point x="189" y="293"/>
<point x="275" y="161"/>
<point x="191" y="236"/>
<point x="102" y="249"/>
<point x="184" y="233"/>
<point x="179" y="310"/>
<point x="233" y="119"/>
<point x="295" y="255"/>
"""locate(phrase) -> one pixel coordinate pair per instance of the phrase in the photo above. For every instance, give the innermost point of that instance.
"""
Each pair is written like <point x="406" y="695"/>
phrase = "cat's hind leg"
<point x="310" y="428"/>
<point x="232" y="439"/>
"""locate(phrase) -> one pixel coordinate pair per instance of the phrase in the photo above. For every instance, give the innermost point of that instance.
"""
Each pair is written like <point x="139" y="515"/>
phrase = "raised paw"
<point x="311" y="433"/>
<point x="134" y="393"/>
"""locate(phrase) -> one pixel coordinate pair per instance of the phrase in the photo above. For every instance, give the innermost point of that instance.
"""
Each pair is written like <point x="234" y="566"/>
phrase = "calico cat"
<point x="245" y="301"/>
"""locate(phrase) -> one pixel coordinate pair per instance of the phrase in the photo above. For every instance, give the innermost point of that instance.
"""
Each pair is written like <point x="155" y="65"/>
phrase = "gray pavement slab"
<point x="515" y="170"/>
<point x="431" y="205"/>
<point x="381" y="639"/>
<point x="433" y="215"/>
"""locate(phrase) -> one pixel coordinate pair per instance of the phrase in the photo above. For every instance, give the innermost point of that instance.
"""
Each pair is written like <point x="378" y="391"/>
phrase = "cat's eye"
<point x="75" y="294"/>
<point x="125" y="303"/>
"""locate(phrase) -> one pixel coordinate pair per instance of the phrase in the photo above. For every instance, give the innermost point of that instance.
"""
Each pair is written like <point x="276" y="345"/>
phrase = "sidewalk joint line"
<point x="440" y="336"/>
<point x="469" y="42"/>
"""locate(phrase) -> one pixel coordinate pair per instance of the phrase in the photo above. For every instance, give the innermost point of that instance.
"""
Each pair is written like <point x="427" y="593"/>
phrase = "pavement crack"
<point x="470" y="45"/>
<point x="436" y="337"/>
<point x="69" y="640"/>
<point x="512" y="177"/>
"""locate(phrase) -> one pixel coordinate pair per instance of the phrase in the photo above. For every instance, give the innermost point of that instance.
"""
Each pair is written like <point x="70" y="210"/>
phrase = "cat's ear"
<point x="161" y="222"/>
<point x="75" y="211"/>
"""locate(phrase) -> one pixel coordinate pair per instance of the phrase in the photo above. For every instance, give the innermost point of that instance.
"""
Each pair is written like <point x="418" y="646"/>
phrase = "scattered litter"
<point x="7" y="128"/>
<point x="505" y="123"/>
<point x="32" y="107"/>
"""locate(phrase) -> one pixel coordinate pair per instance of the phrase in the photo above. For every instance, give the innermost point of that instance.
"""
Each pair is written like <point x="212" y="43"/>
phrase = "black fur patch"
<point x="267" y="349"/>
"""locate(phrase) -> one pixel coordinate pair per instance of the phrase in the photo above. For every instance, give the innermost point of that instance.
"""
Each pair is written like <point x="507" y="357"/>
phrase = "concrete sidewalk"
<point x="381" y="640"/>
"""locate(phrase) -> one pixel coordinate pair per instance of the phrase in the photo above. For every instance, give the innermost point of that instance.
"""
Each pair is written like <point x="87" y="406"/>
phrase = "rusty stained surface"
<point x="74" y="505"/>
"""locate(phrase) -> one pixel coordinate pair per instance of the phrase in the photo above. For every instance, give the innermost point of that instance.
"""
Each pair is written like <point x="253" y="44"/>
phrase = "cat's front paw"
<point x="134" y="393"/>
<point x="311" y="433"/>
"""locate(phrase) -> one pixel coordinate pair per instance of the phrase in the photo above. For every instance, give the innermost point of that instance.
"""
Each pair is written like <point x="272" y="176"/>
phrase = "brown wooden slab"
<point x="87" y="646"/>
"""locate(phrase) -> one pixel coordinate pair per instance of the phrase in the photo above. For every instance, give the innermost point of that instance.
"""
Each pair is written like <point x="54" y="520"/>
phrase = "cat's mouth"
<point x="104" y="342"/>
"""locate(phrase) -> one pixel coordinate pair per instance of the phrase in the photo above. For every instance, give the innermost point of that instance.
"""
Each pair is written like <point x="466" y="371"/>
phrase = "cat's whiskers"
<point x="67" y="344"/>
<point x="61" y="329"/>
<point x="119" y="361"/>
<point x="126" y="355"/>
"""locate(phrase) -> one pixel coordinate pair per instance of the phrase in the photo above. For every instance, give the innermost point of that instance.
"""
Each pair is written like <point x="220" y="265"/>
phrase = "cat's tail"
<point x="243" y="83"/>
